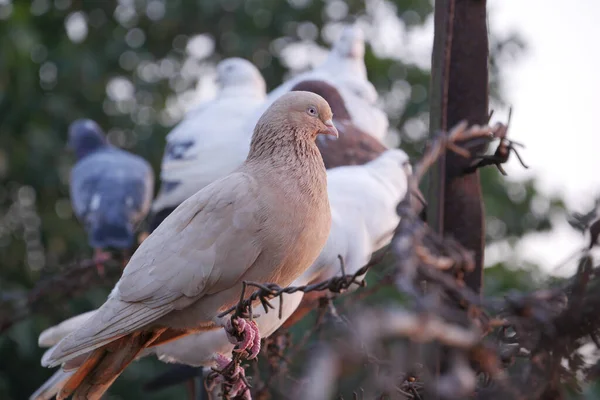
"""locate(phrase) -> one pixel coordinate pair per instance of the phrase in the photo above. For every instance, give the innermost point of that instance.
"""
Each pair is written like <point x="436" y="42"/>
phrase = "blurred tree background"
<point x="135" y="66"/>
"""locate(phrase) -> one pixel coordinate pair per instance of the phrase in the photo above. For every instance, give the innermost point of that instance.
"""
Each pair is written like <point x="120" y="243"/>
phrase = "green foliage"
<point x="125" y="65"/>
<point x="500" y="279"/>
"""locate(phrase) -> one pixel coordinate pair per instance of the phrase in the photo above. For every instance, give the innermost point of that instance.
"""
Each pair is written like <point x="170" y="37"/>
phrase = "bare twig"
<point x="76" y="279"/>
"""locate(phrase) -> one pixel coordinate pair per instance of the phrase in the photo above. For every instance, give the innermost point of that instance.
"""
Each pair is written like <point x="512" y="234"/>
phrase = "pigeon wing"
<point x="204" y="246"/>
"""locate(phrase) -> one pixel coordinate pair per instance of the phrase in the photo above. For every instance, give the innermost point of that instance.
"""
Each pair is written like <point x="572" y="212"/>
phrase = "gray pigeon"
<point x="111" y="189"/>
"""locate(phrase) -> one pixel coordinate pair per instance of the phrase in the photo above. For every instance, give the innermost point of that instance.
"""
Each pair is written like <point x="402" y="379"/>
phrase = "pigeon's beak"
<point x="331" y="129"/>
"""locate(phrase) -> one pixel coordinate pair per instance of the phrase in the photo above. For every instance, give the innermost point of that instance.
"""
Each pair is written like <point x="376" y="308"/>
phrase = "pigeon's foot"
<point x="245" y="335"/>
<point x="100" y="257"/>
<point x="232" y="377"/>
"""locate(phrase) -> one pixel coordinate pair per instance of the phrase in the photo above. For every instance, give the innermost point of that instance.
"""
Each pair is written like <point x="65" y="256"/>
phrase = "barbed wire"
<point x="520" y="346"/>
<point x="414" y="243"/>
<point x="523" y="345"/>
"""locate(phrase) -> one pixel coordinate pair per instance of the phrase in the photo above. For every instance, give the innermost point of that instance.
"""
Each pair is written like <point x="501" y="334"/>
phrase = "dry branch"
<point x="76" y="279"/>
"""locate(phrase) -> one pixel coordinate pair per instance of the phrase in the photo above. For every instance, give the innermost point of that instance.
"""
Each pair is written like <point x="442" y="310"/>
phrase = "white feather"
<point x="344" y="68"/>
<point x="363" y="202"/>
<point x="211" y="141"/>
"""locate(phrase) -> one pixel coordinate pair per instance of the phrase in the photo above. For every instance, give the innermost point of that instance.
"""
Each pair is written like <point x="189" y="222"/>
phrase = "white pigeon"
<point x="363" y="201"/>
<point x="211" y="142"/>
<point x="344" y="68"/>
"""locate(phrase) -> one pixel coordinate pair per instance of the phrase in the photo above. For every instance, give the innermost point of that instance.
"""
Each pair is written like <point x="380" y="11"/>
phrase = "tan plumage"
<point x="265" y="222"/>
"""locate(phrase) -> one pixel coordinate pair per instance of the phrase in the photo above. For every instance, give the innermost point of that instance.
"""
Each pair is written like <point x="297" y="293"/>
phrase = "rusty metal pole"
<point x="459" y="91"/>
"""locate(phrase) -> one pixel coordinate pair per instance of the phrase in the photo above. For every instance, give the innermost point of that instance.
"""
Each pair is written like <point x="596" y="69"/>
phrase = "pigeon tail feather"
<point x="51" y="387"/>
<point x="104" y="365"/>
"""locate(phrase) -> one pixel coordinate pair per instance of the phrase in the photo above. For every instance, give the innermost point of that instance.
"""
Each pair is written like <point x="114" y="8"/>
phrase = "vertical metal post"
<point x="467" y="98"/>
<point x="440" y="64"/>
<point x="459" y="90"/>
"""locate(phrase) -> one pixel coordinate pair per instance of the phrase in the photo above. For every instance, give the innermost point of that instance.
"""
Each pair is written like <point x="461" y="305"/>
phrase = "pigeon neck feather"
<point x="288" y="157"/>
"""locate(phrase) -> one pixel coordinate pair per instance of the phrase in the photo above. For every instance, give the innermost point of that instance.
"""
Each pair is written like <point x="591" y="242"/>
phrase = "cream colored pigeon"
<point x="363" y="202"/>
<point x="267" y="221"/>
<point x="363" y="207"/>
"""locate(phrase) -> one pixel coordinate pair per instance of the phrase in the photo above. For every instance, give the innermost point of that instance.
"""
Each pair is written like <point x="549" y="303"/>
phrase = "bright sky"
<point x="555" y="92"/>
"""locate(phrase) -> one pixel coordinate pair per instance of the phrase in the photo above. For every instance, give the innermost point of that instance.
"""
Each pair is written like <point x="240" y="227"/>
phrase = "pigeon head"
<point x="351" y="43"/>
<point x="305" y="113"/>
<point x="329" y="93"/>
<point x="296" y="118"/>
<point x="85" y="137"/>
<point x="237" y="72"/>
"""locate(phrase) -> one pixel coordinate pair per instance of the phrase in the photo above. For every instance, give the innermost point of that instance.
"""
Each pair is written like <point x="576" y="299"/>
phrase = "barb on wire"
<point x="269" y="291"/>
<point x="505" y="147"/>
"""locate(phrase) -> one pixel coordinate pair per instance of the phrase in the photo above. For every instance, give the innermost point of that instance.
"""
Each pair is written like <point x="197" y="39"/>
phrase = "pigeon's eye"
<point x="312" y="110"/>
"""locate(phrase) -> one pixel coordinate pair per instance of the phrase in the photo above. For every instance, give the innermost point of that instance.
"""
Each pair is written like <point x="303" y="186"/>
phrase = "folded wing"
<point x="189" y="255"/>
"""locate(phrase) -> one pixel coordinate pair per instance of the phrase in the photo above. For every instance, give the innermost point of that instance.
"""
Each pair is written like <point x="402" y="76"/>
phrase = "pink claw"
<point x="222" y="361"/>
<point x="234" y="379"/>
<point x="239" y="388"/>
<point x="248" y="331"/>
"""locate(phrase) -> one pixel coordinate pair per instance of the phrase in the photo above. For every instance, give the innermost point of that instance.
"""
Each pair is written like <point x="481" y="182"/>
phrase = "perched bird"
<point x="210" y="142"/>
<point x="267" y="221"/>
<point x="344" y="68"/>
<point x="111" y="189"/>
<point x="354" y="146"/>
<point x="363" y="208"/>
<point x="363" y="201"/>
